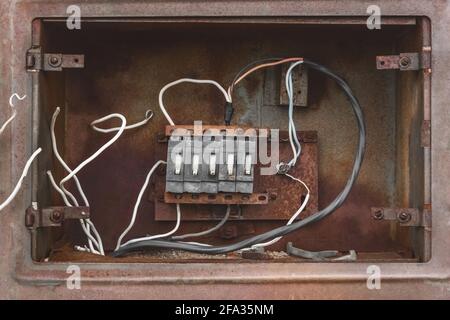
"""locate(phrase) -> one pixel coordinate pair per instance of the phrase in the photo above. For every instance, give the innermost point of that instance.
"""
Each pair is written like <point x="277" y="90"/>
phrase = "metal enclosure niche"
<point x="127" y="61"/>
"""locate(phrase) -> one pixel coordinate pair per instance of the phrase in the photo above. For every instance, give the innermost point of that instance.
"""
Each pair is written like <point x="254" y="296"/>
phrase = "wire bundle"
<point x="272" y="236"/>
<point x="94" y="240"/>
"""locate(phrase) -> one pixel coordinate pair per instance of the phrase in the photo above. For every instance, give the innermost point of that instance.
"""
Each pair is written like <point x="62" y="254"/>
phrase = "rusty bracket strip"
<point x="407" y="217"/>
<point x="406" y="61"/>
<point x="300" y="82"/>
<point x="219" y="198"/>
<point x="37" y="61"/>
<point x="53" y="216"/>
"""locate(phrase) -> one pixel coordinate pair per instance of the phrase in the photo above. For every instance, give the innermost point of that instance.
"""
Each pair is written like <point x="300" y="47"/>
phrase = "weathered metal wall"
<point x="290" y="280"/>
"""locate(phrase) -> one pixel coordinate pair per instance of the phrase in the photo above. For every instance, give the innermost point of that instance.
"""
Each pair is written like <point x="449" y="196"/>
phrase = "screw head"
<point x="378" y="214"/>
<point x="404" y="217"/>
<point x="56" y="216"/>
<point x="54" y="61"/>
<point x="405" y="61"/>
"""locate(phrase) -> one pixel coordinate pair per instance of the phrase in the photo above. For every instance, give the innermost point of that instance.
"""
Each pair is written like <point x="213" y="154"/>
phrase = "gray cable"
<point x="293" y="130"/>
<point x="283" y="230"/>
<point x="206" y="232"/>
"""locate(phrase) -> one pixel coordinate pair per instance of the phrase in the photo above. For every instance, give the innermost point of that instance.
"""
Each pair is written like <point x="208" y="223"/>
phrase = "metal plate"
<point x="282" y="196"/>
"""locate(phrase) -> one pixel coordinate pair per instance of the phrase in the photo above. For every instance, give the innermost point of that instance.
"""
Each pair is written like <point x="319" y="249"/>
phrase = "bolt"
<point x="404" y="217"/>
<point x="56" y="216"/>
<point x="54" y="61"/>
<point x="378" y="214"/>
<point x="405" y="62"/>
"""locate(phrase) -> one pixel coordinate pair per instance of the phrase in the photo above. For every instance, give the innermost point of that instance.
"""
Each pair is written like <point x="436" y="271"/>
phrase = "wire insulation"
<point x="188" y="80"/>
<point x="164" y="235"/>
<point x="14" y="112"/>
<point x="148" y="116"/>
<point x="138" y="202"/>
<point x="294" y="216"/>
<point x="19" y="183"/>
<point x="206" y="232"/>
<point x="86" y="227"/>
<point x="283" y="230"/>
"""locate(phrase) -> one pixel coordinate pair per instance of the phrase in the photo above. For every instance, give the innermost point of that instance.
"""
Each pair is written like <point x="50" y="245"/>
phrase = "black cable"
<point x="283" y="230"/>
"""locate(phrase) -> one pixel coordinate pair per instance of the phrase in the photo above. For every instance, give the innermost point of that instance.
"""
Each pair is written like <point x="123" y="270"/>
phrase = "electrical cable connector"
<point x="229" y="110"/>
<point x="283" y="168"/>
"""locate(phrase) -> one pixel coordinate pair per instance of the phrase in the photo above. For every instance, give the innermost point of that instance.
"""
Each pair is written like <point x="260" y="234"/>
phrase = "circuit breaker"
<point x="217" y="159"/>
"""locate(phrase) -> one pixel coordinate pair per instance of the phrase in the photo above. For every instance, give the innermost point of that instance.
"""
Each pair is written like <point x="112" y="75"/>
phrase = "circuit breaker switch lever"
<point x="195" y="164"/>
<point x="248" y="164"/>
<point x="212" y="165"/>
<point x="178" y="163"/>
<point x="230" y="163"/>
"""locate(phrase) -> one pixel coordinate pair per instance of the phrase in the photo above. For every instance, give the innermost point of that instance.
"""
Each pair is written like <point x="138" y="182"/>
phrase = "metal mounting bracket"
<point x="407" y="217"/>
<point x="53" y="216"/>
<point x="300" y="83"/>
<point x="37" y="61"/>
<point x="406" y="61"/>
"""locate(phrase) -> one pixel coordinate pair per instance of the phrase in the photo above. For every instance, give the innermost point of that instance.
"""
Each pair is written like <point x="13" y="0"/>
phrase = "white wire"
<point x="138" y="201"/>
<point x="159" y="235"/>
<point x="148" y="116"/>
<point x="294" y="216"/>
<point x="196" y="243"/>
<point x="86" y="228"/>
<point x="8" y="121"/>
<point x="293" y="139"/>
<point x="14" y="114"/>
<point x="22" y="177"/>
<point x="83" y="225"/>
<point x="167" y="86"/>
<point x="101" y="149"/>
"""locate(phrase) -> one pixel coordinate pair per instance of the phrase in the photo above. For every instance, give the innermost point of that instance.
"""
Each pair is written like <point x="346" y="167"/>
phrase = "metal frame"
<point x="22" y="278"/>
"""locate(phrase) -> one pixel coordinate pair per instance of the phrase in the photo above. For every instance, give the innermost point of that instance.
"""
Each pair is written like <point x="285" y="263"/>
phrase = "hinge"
<point x="407" y="217"/>
<point x="53" y="216"/>
<point x="406" y="61"/>
<point x="36" y="60"/>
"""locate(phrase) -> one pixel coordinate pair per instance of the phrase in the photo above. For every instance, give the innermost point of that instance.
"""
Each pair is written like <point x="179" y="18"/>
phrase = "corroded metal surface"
<point x="281" y="195"/>
<point x="257" y="280"/>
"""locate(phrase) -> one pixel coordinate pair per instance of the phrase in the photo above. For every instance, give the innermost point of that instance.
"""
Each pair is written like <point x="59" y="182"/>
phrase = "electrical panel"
<point x="211" y="161"/>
